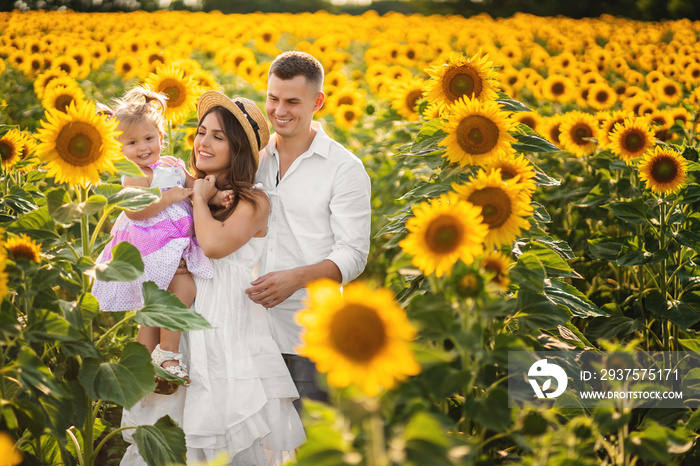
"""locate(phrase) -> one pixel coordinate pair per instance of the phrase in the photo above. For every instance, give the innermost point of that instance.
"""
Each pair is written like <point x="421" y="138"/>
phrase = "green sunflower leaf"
<point x="530" y="143"/>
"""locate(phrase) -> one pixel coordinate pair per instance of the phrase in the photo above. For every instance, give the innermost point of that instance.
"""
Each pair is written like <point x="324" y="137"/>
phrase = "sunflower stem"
<point x="376" y="451"/>
<point x="169" y="146"/>
<point x="663" y="279"/>
<point x="98" y="227"/>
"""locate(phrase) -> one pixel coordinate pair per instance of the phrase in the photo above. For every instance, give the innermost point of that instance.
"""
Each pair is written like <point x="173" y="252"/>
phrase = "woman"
<point x="240" y="398"/>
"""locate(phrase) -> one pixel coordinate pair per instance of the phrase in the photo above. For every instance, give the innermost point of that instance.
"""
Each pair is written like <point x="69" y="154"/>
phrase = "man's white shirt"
<point x="320" y="209"/>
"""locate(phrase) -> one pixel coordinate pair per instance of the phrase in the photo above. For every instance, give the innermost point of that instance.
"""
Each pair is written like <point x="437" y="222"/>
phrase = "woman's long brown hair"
<point x="240" y="174"/>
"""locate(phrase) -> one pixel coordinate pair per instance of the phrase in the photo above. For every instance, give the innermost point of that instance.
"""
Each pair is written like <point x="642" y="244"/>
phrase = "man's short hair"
<point x="289" y="65"/>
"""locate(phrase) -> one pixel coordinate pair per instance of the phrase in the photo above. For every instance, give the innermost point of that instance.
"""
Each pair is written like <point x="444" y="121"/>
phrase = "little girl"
<point x="162" y="231"/>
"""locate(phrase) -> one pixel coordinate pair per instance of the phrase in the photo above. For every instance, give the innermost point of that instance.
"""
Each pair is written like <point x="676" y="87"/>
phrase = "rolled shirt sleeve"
<point x="350" y="219"/>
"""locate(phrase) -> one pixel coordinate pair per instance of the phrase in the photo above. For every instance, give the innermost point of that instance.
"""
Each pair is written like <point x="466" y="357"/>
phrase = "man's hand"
<point x="274" y="288"/>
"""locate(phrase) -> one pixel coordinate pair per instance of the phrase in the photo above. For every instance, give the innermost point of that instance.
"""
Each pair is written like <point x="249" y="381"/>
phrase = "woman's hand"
<point x="205" y="188"/>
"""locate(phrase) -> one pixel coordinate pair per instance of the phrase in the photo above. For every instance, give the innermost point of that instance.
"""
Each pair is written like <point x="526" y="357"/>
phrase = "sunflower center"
<point x="495" y="205"/>
<point x="412" y="98"/>
<point x="357" y="332"/>
<point x="528" y="121"/>
<point x="580" y="131"/>
<point x="507" y="173"/>
<point x="476" y="134"/>
<point x="670" y="90"/>
<point x="558" y="88"/>
<point x="633" y="141"/>
<point x="349" y="115"/>
<point x="5" y="151"/>
<point x="24" y="251"/>
<point x="554" y="134"/>
<point x="79" y="143"/>
<point x="345" y="100"/>
<point x="63" y="102"/>
<point x="602" y="96"/>
<point x="462" y="80"/>
<point x="175" y="92"/>
<point x="443" y="235"/>
<point x="664" y="170"/>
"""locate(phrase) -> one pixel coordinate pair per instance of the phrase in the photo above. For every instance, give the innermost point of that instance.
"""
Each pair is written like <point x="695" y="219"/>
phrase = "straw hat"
<point x="246" y="112"/>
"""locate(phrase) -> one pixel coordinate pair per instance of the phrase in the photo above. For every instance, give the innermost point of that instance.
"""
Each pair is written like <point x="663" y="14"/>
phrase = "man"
<point x="319" y="223"/>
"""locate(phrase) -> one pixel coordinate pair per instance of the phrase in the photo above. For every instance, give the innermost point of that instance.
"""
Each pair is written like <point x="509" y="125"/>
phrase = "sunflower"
<point x="18" y="58"/>
<point x="206" y="81"/>
<point x="477" y="132"/>
<point x="631" y="139"/>
<point x="23" y="248"/>
<point x="348" y="95"/>
<point x="496" y="265"/>
<point x="469" y="78"/>
<point x="691" y="75"/>
<point x="60" y="97"/>
<point x="530" y="119"/>
<point x="505" y="207"/>
<point x="230" y="58"/>
<point x="68" y="65"/>
<point x="152" y="58"/>
<point x="680" y="114"/>
<point x="515" y="170"/>
<point x="668" y="91"/>
<point x="601" y="96"/>
<point x="360" y="337"/>
<point x="577" y="133"/>
<point x="127" y="66"/>
<point x="653" y="77"/>
<point x="42" y="79"/>
<point x="443" y="231"/>
<point x="634" y="77"/>
<point x="181" y="92"/>
<point x="346" y="116"/>
<point x="335" y="79"/>
<point x="34" y="65"/>
<point x="663" y="171"/>
<point x="608" y="123"/>
<point x="10" y="454"/>
<point x="78" y="145"/>
<point x="11" y="145"/>
<point x="633" y="104"/>
<point x="61" y="81"/>
<point x="551" y="129"/>
<point x="558" y="88"/>
<point x="407" y="96"/>
<point x="27" y="148"/>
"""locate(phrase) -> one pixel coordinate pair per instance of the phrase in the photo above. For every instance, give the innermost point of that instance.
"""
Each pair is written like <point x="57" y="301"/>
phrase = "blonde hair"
<point x="140" y="105"/>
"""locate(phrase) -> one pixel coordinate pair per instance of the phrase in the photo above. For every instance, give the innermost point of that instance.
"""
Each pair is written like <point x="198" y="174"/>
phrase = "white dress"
<point x="240" y="398"/>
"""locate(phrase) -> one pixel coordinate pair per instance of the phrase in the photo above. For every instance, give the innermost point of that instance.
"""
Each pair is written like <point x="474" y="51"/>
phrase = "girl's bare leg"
<point x="148" y="337"/>
<point x="184" y="288"/>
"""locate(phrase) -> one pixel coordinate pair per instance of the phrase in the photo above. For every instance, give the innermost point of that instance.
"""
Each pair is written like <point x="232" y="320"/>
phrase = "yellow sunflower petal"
<point x="78" y="145"/>
<point x="443" y="231"/>
<point x="358" y="338"/>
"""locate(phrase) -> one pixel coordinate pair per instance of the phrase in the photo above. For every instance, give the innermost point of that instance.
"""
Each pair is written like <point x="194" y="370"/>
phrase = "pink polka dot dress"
<point x="162" y="240"/>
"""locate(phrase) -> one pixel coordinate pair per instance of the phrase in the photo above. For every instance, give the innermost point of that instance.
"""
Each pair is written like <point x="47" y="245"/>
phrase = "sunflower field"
<point x="534" y="188"/>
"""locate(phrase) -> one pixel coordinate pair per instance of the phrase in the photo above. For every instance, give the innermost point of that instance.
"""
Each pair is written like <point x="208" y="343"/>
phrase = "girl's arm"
<point x="219" y="239"/>
<point x="171" y="196"/>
